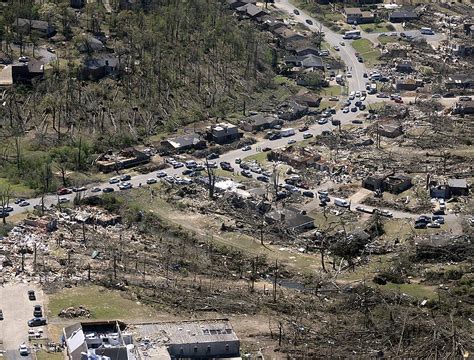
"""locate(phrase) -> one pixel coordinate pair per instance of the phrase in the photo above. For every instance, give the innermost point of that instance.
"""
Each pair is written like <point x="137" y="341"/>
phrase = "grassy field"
<point x="92" y="297"/>
<point x="381" y="27"/>
<point x="260" y="157"/>
<point x="18" y="190"/>
<point x="416" y="290"/>
<point x="331" y="91"/>
<point x="43" y="355"/>
<point x="365" y="49"/>
<point x="387" y="39"/>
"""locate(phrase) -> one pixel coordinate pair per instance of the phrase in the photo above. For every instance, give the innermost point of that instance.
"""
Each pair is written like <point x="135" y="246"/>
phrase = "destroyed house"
<point x="43" y="28"/>
<point x="458" y="187"/>
<point x="291" y="110"/>
<point x="123" y="159"/>
<point x="99" y="67"/>
<point x="223" y="133"/>
<point x="291" y="218"/>
<point x="297" y="157"/>
<point x="408" y="84"/>
<point x="393" y="183"/>
<point x="405" y="66"/>
<point x="460" y="81"/>
<point x="101" y="340"/>
<point x="21" y="73"/>
<point x="186" y="142"/>
<point x="464" y="107"/>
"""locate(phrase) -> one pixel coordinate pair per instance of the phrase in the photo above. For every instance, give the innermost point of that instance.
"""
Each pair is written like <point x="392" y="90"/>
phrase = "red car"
<point x="399" y="101"/>
<point x="63" y="191"/>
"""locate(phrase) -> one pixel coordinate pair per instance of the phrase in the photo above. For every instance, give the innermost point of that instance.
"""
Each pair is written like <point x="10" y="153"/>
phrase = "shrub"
<point x="390" y="27"/>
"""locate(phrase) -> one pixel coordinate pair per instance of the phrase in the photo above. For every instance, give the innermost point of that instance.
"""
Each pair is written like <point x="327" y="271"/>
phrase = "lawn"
<point x="102" y="303"/>
<point x="18" y="190"/>
<point x="416" y="290"/>
<point x="365" y="49"/>
<point x="381" y="27"/>
<point x="43" y="355"/>
<point x="387" y="39"/>
<point x="331" y="91"/>
<point x="260" y="157"/>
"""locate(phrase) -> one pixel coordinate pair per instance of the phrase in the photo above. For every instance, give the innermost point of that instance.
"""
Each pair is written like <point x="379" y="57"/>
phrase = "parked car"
<point x="39" y="321"/>
<point x="335" y="122"/>
<point x="262" y="178"/>
<point x="7" y="209"/>
<point x="303" y="129"/>
<point x="296" y="12"/>
<point x="308" y="194"/>
<point x="266" y="148"/>
<point x="24" y="203"/>
<point x="420" y="225"/>
<point x="246" y="148"/>
<point x="31" y="295"/>
<point x="19" y="200"/>
<point x="152" y="181"/>
<point x="107" y="190"/>
<point x="1" y="314"/>
<point x="23" y="59"/>
<point x="309" y="22"/>
<point x="212" y="156"/>
<point x="37" y="311"/>
<point x="95" y="189"/>
<point x="386" y="213"/>
<point x="357" y="121"/>
<point x="307" y="135"/>
<point x="433" y="225"/>
<point x="449" y="95"/>
<point x="23" y="350"/>
<point x="345" y="110"/>
<point x="177" y="164"/>
<point x="64" y="191"/>
<point x="333" y="98"/>
<point x="125" y="177"/>
<point x="63" y="200"/>
<point x="322" y="121"/>
<point x="79" y="189"/>
<point x="246" y="173"/>
<point x="125" y="186"/>
<point x="354" y="109"/>
<point x="438" y="218"/>
<point x="114" y="181"/>
<point x="436" y="96"/>
<point x="291" y="141"/>
<point x="465" y="98"/>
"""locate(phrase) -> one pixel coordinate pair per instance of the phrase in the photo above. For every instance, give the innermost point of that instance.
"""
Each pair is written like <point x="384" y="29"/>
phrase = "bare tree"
<point x="211" y="177"/>
<point x="5" y="195"/>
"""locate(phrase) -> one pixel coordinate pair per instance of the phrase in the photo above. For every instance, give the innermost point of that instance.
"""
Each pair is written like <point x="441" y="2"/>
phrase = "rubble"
<point x="74" y="312"/>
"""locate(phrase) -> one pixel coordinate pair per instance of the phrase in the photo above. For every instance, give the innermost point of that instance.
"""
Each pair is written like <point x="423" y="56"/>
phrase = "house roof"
<point x="100" y="61"/>
<point x="404" y="13"/>
<point x="261" y="119"/>
<point x="352" y="11"/>
<point x="292" y="217"/>
<point x="251" y="10"/>
<point x="311" y="60"/>
<point x="286" y="33"/>
<point x="457" y="183"/>
<point x="185" y="140"/>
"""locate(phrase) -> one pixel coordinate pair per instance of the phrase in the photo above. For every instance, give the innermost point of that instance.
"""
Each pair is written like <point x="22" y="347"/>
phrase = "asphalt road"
<point x="347" y="52"/>
<point x="17" y="310"/>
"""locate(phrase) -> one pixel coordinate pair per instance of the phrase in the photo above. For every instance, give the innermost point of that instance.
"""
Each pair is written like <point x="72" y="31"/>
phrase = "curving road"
<point x="347" y="53"/>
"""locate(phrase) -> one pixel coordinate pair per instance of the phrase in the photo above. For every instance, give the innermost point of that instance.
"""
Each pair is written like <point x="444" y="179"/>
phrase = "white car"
<point x="114" y="180"/>
<point x="292" y="141"/>
<point x="23" y="59"/>
<point x="322" y="121"/>
<point x="349" y="75"/>
<point x="345" y="110"/>
<point x="63" y="200"/>
<point x="151" y="181"/>
<point x="357" y="94"/>
<point x="23" y="350"/>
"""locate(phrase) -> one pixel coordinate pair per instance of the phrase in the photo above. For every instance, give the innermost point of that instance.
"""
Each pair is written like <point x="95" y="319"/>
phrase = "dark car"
<point x="308" y="194"/>
<point x="365" y="75"/>
<point x="244" y="166"/>
<point x="303" y="129"/>
<point x="7" y="209"/>
<point x="212" y="156"/>
<point x="358" y="103"/>
<point x="362" y="107"/>
<point x="36" y="322"/>
<point x="188" y="171"/>
<point x="296" y="12"/>
<point x="274" y="136"/>
<point x="3" y="214"/>
<point x="125" y="177"/>
<point x="448" y="95"/>
<point x="31" y="295"/>
<point x="262" y="178"/>
<point x="107" y="190"/>
<point x="354" y="109"/>
<point x="360" y="59"/>
<point x="438" y="212"/>
<point x="357" y="121"/>
<point x="309" y="22"/>
<point x="1" y="314"/>
<point x="265" y="149"/>
<point x="420" y="225"/>
<point x="37" y="311"/>
<point x="19" y="200"/>
<point x="336" y="122"/>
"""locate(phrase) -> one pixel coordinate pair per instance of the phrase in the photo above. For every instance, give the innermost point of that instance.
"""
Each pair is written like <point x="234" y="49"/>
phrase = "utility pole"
<point x="275" y="277"/>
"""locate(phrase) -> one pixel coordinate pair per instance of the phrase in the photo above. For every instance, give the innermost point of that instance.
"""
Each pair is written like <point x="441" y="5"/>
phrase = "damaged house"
<point x="186" y="142"/>
<point x="260" y="122"/>
<point x="291" y="110"/>
<point x="291" y="218"/>
<point x="390" y="182"/>
<point x="297" y="157"/>
<point x="123" y="159"/>
<point x="223" y="133"/>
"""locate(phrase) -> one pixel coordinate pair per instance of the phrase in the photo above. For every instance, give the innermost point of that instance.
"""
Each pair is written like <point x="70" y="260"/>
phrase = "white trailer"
<point x="287" y="132"/>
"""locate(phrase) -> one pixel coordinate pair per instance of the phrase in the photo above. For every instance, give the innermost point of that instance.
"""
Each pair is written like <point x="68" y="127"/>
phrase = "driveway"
<point x="17" y="310"/>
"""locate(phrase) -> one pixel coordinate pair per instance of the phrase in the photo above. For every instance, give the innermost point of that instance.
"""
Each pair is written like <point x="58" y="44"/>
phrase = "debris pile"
<point x="74" y="312"/>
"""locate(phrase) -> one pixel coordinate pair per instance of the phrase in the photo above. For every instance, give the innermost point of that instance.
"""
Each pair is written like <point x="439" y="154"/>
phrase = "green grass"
<point x="381" y="27"/>
<point x="260" y="157"/>
<point x="387" y="39"/>
<point x="416" y="290"/>
<point x="365" y="49"/>
<point x="228" y="174"/>
<point x="331" y="91"/>
<point x="102" y="303"/>
<point x="18" y="190"/>
<point x="43" y="355"/>
<point x="280" y="80"/>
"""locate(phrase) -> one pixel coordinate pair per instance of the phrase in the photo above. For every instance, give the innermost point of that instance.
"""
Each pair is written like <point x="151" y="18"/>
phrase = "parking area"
<point x="17" y="310"/>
